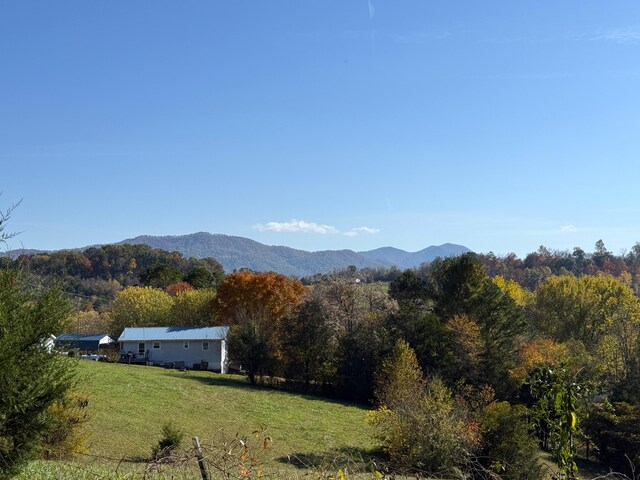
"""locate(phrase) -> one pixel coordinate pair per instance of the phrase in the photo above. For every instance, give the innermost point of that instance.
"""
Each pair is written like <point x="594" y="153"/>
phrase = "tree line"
<point x="95" y="275"/>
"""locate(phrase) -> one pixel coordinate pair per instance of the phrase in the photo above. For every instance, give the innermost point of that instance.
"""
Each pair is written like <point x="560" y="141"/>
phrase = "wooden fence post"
<point x="201" y="462"/>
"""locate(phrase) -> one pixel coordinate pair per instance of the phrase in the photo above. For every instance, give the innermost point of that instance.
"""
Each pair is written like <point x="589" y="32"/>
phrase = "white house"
<point x="200" y="347"/>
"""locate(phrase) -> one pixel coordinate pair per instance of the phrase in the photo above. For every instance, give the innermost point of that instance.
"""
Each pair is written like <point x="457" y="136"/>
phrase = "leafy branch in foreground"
<point x="557" y="393"/>
<point x="4" y="217"/>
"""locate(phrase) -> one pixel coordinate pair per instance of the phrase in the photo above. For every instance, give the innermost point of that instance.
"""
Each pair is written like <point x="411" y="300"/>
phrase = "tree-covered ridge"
<point x="541" y="264"/>
<point x="236" y="253"/>
<point x="530" y="271"/>
<point x="98" y="273"/>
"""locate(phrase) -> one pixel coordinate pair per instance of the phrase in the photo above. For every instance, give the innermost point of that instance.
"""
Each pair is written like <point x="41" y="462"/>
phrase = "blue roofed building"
<point x="85" y="342"/>
<point x="183" y="347"/>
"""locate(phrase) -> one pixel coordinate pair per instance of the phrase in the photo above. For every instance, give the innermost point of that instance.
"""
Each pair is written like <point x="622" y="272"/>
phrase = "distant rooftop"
<point x="87" y="337"/>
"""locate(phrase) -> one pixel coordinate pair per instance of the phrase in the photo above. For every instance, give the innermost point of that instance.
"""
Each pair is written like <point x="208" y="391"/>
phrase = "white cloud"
<point x="621" y="35"/>
<point x="568" y="228"/>
<point x="311" y="227"/>
<point x="296" y="226"/>
<point x="368" y="230"/>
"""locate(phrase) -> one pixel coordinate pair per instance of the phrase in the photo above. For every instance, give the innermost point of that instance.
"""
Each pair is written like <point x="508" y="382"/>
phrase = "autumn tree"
<point x="89" y="321"/>
<point x="254" y="304"/>
<point x="176" y="288"/>
<point x="537" y="353"/>
<point x="341" y="299"/>
<point x="357" y="316"/>
<point x="308" y="344"/>
<point x="265" y="295"/>
<point x="193" y="308"/>
<point x="466" y="348"/>
<point x="140" y="307"/>
<point x="521" y="296"/>
<point x="599" y="311"/>
<point x="460" y="286"/>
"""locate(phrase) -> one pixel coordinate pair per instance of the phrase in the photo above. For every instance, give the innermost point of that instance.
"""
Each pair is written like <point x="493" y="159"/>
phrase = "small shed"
<point x="189" y="347"/>
<point x="85" y="342"/>
<point x="48" y="343"/>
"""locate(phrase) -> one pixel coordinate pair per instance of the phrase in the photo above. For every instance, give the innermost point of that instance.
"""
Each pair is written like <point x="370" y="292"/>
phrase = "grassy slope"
<point x="129" y="404"/>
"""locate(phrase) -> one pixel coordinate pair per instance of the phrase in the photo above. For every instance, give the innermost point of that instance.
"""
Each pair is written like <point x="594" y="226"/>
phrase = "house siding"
<point x="173" y="351"/>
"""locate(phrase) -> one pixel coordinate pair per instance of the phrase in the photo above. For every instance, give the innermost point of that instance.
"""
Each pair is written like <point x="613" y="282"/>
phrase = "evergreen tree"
<point x="31" y="378"/>
<point x="460" y="287"/>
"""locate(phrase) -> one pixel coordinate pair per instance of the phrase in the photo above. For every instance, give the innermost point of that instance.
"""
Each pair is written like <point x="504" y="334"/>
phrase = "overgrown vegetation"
<point x="418" y="421"/>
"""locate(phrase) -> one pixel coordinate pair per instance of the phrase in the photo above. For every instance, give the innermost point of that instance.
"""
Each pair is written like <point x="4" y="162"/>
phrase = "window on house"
<point x="141" y="348"/>
<point x="156" y="345"/>
<point x="205" y="345"/>
<point x="186" y="344"/>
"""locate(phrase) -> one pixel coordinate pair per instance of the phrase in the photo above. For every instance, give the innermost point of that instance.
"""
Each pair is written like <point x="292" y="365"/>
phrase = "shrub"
<point x="170" y="441"/>
<point x="615" y="429"/>
<point x="508" y="448"/>
<point x="419" y="423"/>
<point x="64" y="437"/>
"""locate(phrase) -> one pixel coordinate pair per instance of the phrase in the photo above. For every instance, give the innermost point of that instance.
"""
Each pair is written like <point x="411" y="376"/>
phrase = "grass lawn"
<point x="129" y="404"/>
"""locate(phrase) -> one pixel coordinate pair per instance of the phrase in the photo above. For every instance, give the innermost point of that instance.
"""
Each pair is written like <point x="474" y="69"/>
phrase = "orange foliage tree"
<point x="254" y="304"/>
<point x="543" y="351"/>
<point x="266" y="296"/>
<point x="178" y="287"/>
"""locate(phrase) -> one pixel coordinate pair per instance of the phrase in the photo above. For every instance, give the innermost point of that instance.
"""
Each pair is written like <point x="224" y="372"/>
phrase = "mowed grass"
<point x="129" y="404"/>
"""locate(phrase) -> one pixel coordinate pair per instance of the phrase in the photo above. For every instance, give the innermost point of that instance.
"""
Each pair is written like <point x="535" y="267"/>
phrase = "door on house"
<point x="141" y="349"/>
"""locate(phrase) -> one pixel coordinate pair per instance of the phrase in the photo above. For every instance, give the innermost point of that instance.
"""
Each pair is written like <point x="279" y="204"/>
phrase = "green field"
<point x="129" y="404"/>
<point x="311" y="437"/>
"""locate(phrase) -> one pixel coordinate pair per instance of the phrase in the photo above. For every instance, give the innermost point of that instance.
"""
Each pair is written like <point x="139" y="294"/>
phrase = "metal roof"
<point x="85" y="337"/>
<point x="140" y="334"/>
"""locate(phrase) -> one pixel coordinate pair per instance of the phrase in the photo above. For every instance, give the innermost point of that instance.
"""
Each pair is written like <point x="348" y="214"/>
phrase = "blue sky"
<point x="498" y="125"/>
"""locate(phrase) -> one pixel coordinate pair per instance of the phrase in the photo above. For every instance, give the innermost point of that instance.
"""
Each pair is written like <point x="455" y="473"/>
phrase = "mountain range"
<point x="238" y="252"/>
<point x="235" y="253"/>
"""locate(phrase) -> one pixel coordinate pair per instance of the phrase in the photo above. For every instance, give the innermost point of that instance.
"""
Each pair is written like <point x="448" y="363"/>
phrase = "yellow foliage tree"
<point x="599" y="311"/>
<point x="140" y="307"/>
<point x="521" y="296"/>
<point x="543" y="351"/>
<point x="193" y="308"/>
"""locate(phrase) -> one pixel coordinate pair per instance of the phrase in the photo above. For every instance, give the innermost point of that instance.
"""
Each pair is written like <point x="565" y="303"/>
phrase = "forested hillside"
<point x="235" y="253"/>
<point x="539" y="265"/>
<point x="96" y="274"/>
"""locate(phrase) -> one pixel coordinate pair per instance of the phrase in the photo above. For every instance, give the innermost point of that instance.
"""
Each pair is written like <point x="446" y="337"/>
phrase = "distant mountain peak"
<point x="235" y="253"/>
